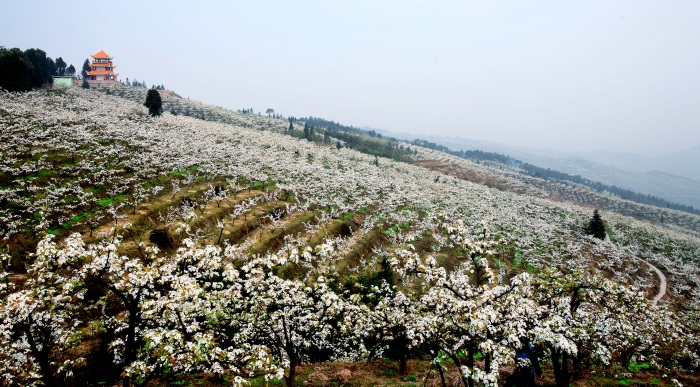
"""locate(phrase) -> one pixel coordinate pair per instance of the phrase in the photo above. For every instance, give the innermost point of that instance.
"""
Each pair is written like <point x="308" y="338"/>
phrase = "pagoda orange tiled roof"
<point x="101" y="55"/>
<point x="101" y="72"/>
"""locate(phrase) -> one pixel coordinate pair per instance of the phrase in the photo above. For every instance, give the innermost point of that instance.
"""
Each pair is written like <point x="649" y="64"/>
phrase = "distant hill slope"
<point x="686" y="163"/>
<point x="674" y="177"/>
<point x="672" y="187"/>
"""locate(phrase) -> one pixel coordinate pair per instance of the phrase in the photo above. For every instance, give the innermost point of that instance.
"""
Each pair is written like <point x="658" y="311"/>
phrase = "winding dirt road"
<point x="662" y="282"/>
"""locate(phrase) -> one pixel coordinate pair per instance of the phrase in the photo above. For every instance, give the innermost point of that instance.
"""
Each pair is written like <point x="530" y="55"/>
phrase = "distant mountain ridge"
<point x="674" y="177"/>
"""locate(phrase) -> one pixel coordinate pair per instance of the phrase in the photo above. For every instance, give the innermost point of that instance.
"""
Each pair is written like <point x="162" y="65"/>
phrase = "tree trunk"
<point x="130" y="346"/>
<point x="293" y="363"/>
<point x="41" y="356"/>
<point x="471" y="349"/>
<point x="455" y="360"/>
<point x="625" y="358"/>
<point x="577" y="361"/>
<point x="565" y="369"/>
<point x="556" y="364"/>
<point x="442" y="375"/>
<point x="220" y="234"/>
<point x="560" y="362"/>
<point x="403" y="364"/>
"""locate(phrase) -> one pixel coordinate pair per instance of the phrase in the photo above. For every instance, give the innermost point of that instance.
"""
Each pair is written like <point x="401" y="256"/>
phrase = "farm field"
<point x="207" y="246"/>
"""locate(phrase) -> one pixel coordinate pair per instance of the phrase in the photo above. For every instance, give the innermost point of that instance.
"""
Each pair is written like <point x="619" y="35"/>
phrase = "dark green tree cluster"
<point x="28" y="69"/>
<point x="154" y="103"/>
<point x="329" y="132"/>
<point x="596" y="226"/>
<point x="309" y="131"/>
<point x="373" y="133"/>
<point x="61" y="66"/>
<point x="382" y="148"/>
<point x="136" y="83"/>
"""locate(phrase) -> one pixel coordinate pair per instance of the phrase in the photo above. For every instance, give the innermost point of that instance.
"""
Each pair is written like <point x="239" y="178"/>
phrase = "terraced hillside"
<point x="161" y="249"/>
<point x="495" y="177"/>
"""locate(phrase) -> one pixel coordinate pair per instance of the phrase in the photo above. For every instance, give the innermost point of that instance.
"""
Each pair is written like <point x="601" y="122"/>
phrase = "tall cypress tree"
<point x="596" y="226"/>
<point x="86" y="68"/>
<point x="153" y="103"/>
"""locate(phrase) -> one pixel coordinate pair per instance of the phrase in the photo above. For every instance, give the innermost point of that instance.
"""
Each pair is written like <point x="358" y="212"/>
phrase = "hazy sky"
<point x="586" y="75"/>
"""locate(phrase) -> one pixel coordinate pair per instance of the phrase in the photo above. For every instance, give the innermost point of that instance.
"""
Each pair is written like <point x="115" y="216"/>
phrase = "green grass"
<point x="106" y="202"/>
<point x="636" y="367"/>
<point x="188" y="170"/>
<point x="347" y="215"/>
<point x="260" y="382"/>
<point x="77" y="218"/>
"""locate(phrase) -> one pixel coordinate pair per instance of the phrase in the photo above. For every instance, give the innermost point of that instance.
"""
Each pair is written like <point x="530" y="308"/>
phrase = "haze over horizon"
<point x="612" y="75"/>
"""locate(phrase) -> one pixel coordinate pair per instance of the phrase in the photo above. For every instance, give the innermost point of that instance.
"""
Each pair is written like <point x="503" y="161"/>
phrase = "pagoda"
<point x="102" y="70"/>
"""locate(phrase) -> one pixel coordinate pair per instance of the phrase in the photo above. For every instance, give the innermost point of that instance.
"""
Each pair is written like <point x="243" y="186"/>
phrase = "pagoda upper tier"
<point x="102" y="69"/>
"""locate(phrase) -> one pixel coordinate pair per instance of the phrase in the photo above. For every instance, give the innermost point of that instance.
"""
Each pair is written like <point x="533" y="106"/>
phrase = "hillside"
<point x="673" y="177"/>
<point x="208" y="242"/>
<point x="645" y="177"/>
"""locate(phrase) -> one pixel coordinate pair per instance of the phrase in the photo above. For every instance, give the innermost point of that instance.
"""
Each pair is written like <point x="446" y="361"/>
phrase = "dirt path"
<point x="662" y="282"/>
<point x="662" y="278"/>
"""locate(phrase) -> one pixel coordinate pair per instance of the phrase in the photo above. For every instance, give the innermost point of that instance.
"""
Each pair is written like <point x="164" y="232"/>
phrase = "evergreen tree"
<point x="42" y="67"/>
<point x="60" y="66"/>
<point x="86" y="68"/>
<point x="596" y="226"/>
<point x="70" y="70"/>
<point x="153" y="103"/>
<point x="85" y="84"/>
<point x="16" y="70"/>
